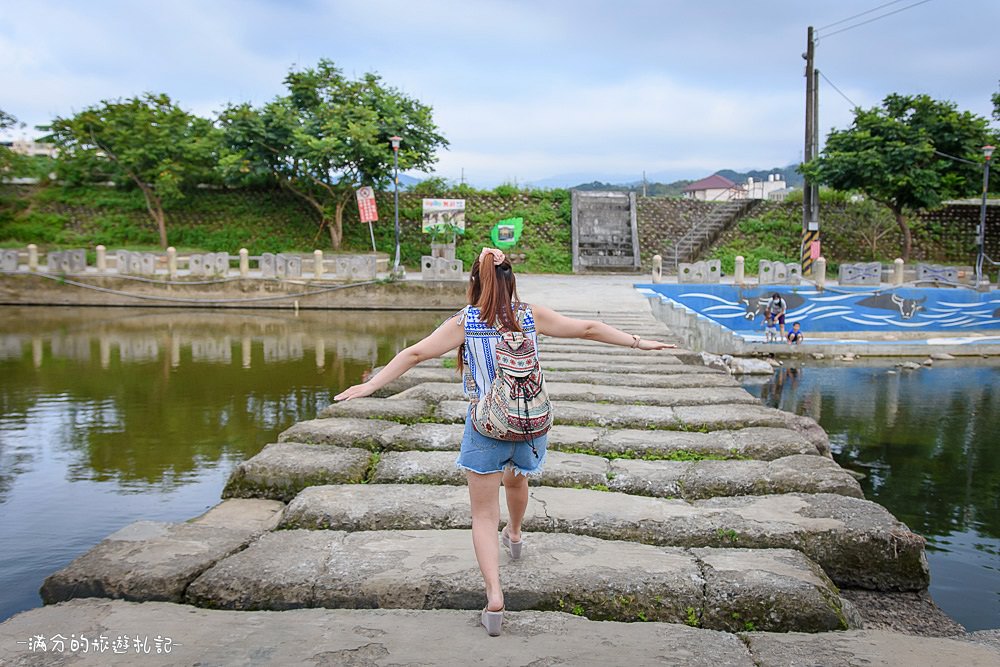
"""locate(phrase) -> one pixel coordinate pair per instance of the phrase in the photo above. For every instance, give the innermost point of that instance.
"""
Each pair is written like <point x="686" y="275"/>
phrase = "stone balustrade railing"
<point x="171" y="265"/>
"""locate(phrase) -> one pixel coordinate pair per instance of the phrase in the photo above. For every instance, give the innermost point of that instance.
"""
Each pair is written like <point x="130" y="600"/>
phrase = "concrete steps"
<point x="283" y="469"/>
<point x="703" y="418"/>
<point x="598" y="579"/>
<point x="856" y="542"/>
<point x="758" y="443"/>
<point x="652" y="381"/>
<point x="435" y="392"/>
<point x="453" y="637"/>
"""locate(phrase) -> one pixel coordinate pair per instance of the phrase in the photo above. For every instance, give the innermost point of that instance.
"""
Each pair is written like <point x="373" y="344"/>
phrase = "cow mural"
<point x="843" y="309"/>
<point x="907" y="308"/>
<point x="755" y="304"/>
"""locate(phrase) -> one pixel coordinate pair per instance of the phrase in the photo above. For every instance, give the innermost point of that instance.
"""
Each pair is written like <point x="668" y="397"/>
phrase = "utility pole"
<point x="643" y="182"/>
<point x="810" y="191"/>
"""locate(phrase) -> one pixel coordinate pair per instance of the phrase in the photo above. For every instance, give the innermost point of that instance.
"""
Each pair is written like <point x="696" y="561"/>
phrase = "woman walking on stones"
<point x="494" y="305"/>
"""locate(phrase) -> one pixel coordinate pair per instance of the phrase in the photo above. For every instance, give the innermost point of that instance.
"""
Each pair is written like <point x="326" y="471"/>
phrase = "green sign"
<point x="506" y="233"/>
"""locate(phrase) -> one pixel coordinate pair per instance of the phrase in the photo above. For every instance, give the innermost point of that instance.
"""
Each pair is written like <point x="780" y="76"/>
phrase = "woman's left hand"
<point x="650" y="345"/>
<point x="357" y="391"/>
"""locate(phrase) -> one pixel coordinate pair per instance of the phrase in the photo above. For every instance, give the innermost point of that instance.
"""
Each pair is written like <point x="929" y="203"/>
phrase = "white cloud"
<point x="522" y="89"/>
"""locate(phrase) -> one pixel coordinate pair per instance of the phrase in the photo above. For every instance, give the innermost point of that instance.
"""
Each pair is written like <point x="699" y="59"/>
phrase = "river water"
<point x="928" y="443"/>
<point x="109" y="416"/>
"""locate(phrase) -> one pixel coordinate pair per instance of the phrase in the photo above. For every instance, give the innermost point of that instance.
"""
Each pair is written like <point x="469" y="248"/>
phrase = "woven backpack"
<point x="517" y="407"/>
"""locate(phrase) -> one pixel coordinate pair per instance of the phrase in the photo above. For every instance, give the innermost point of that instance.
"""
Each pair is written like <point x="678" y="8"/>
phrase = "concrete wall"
<point x="38" y="289"/>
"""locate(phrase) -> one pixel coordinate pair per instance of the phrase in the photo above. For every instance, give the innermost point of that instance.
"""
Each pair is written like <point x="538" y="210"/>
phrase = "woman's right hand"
<point x="357" y="391"/>
<point x="651" y="345"/>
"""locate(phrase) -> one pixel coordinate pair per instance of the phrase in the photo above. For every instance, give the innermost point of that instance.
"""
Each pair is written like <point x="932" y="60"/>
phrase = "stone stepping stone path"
<point x="856" y="542"/>
<point x="758" y="443"/>
<point x="707" y="378"/>
<point x="701" y="418"/>
<point x="670" y="494"/>
<point x="435" y="392"/>
<point x="283" y="469"/>
<point x="603" y="580"/>
<point x="408" y="637"/>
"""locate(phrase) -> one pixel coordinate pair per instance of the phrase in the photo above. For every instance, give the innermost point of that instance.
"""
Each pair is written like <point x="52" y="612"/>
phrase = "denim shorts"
<point x="485" y="455"/>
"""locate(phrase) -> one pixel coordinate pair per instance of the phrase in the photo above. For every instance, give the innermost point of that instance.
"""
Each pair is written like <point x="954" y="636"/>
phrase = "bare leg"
<point x="484" y="495"/>
<point x="515" y="488"/>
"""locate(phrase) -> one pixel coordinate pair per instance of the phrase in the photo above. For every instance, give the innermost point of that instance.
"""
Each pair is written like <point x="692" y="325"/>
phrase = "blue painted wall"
<point x="841" y="308"/>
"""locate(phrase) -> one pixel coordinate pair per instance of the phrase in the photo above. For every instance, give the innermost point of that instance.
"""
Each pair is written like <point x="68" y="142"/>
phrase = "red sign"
<point x="366" y="205"/>
<point x="814" y="249"/>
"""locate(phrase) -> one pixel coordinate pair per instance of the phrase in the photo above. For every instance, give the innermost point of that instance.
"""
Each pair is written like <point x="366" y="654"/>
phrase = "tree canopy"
<point x="326" y="136"/>
<point x="147" y="141"/>
<point x="7" y="156"/>
<point x="911" y="154"/>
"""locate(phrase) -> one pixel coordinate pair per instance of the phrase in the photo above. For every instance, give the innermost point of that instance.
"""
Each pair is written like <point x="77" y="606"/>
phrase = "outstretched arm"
<point x="445" y="338"/>
<point x="551" y="323"/>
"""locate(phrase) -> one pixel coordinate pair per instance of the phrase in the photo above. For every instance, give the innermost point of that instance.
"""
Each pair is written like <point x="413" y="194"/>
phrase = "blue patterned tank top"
<point x="480" y="350"/>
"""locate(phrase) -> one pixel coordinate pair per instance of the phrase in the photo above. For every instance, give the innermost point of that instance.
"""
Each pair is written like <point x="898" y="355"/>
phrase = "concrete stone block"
<point x="147" y="560"/>
<point x="778" y="589"/>
<point x="8" y="260"/>
<point x="778" y="273"/>
<point x="283" y="469"/>
<point x="288" y="266"/>
<point x="860" y="273"/>
<point x="67" y="261"/>
<point x="121" y="261"/>
<point x="267" y="265"/>
<point x="389" y="636"/>
<point x="147" y="263"/>
<point x="439" y="268"/>
<point x="856" y="542"/>
<point x="355" y="268"/>
<point x="937" y="272"/>
<point x="574" y="391"/>
<point x="707" y="271"/>
<point x="221" y="264"/>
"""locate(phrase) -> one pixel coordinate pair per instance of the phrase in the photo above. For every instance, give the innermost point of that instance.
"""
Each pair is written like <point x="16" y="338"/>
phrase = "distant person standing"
<point x="774" y="311"/>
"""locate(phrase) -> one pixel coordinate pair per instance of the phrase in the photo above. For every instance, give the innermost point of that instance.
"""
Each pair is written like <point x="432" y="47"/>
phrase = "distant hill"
<point x="676" y="188"/>
<point x="791" y="176"/>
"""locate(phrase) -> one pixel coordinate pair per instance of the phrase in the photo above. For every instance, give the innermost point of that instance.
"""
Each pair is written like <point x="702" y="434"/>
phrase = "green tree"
<point x="328" y="135"/>
<point x="902" y="154"/>
<point x="146" y="141"/>
<point x="7" y="156"/>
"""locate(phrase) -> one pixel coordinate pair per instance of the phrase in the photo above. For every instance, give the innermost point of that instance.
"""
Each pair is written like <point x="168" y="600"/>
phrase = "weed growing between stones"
<point x="727" y="535"/>
<point x="676" y="455"/>
<point x="372" y="465"/>
<point x="692" y="618"/>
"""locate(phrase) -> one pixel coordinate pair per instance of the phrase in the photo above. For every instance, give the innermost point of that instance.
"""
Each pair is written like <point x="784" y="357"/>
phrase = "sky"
<point x="549" y="92"/>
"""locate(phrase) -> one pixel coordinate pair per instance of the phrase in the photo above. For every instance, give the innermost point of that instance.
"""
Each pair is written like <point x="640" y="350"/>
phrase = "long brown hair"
<point x="493" y="290"/>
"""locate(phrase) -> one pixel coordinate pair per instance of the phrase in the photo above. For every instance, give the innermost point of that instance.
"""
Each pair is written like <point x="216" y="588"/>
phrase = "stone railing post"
<point x="172" y="262"/>
<point x="819" y="272"/>
<point x="244" y="262"/>
<point x="897" y="271"/>
<point x="102" y="259"/>
<point x="657" y="269"/>
<point x="739" y="270"/>
<point x="32" y="257"/>
<point x="318" y="263"/>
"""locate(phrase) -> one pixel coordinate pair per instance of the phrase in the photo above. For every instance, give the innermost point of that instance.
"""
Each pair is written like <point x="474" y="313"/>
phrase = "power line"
<point x="851" y="18"/>
<point x="881" y="16"/>
<point x="834" y="86"/>
<point x="956" y="159"/>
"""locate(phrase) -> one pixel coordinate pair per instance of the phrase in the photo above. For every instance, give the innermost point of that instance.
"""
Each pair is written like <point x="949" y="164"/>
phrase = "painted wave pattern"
<point x="844" y="311"/>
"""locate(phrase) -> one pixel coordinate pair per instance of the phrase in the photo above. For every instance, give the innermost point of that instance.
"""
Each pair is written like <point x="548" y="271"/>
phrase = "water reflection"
<point x="927" y="443"/>
<point x="153" y="406"/>
<point x="149" y="396"/>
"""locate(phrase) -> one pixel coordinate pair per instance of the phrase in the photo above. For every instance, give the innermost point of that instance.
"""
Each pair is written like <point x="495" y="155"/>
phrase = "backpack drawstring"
<point x="527" y="414"/>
